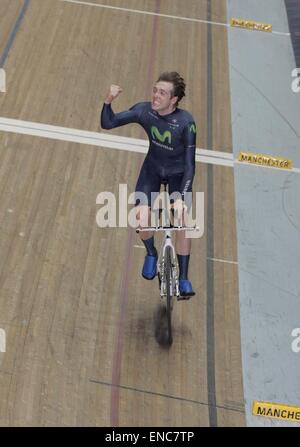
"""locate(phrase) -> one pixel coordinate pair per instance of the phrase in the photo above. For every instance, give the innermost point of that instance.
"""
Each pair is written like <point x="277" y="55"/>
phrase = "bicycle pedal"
<point x="185" y="297"/>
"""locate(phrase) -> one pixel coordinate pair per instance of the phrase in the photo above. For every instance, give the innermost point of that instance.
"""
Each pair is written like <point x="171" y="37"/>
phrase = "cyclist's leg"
<point x="182" y="246"/>
<point x="147" y="183"/>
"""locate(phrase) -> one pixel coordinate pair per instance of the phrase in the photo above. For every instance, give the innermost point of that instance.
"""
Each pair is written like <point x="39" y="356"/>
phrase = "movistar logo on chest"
<point x="165" y="137"/>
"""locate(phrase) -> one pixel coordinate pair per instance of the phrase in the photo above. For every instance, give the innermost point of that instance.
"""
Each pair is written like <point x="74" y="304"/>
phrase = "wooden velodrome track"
<point x="78" y="316"/>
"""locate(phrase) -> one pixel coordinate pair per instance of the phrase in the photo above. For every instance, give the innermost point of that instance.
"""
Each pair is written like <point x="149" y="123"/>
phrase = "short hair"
<point x="176" y="80"/>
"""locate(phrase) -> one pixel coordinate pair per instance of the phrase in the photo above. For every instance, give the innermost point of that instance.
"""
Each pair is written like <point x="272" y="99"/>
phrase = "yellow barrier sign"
<point x="276" y="411"/>
<point x="250" y="24"/>
<point x="265" y="160"/>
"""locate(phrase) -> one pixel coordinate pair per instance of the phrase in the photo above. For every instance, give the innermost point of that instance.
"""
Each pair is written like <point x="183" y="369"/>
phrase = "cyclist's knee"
<point x="142" y="215"/>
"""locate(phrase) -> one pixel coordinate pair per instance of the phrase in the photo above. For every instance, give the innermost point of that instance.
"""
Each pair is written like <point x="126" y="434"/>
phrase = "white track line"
<point x="100" y="139"/>
<point x="281" y="33"/>
<point x="104" y="140"/>
<point x="295" y="170"/>
<point x="222" y="260"/>
<point x="138" y="11"/>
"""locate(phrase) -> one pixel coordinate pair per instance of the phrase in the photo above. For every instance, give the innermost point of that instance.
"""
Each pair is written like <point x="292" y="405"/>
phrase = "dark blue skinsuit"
<point x="171" y="154"/>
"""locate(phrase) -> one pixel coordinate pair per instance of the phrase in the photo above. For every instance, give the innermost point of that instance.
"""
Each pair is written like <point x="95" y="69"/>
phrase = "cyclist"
<point x="171" y="156"/>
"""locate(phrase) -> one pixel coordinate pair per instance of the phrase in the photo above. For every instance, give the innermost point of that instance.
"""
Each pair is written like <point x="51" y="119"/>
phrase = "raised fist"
<point x="113" y="93"/>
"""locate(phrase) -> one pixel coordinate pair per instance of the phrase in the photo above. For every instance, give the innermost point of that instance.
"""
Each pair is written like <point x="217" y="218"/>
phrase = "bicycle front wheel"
<point x="169" y="293"/>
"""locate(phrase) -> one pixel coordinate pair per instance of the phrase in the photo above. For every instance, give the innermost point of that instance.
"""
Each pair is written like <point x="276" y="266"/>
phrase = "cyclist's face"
<point x="163" y="100"/>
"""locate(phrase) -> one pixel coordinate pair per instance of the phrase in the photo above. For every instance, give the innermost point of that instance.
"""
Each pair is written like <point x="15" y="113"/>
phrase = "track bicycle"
<point x="167" y="268"/>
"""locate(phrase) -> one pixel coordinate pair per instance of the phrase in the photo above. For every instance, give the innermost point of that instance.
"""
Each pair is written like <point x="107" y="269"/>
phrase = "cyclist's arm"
<point x="189" y="137"/>
<point x="109" y="119"/>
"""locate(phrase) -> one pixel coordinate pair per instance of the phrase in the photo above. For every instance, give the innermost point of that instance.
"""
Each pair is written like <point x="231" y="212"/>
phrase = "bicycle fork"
<point x="174" y="281"/>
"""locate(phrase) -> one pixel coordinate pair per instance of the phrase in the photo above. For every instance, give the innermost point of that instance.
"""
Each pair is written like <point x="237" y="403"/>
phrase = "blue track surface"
<point x="14" y="33"/>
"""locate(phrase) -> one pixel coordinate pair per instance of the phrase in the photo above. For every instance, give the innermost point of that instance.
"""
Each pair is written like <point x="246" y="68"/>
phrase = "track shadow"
<point x="161" y="327"/>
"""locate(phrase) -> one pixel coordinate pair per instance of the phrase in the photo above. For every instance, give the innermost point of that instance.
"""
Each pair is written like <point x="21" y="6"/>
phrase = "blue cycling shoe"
<point x="149" y="267"/>
<point x="185" y="289"/>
